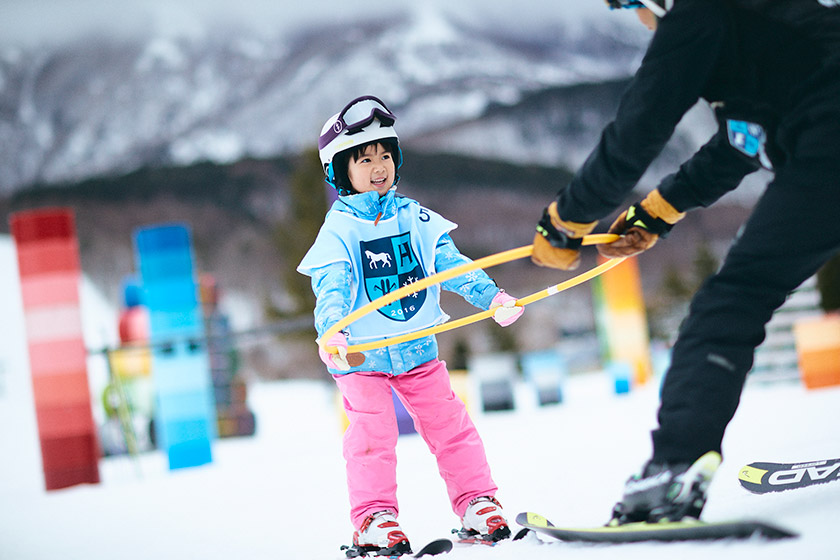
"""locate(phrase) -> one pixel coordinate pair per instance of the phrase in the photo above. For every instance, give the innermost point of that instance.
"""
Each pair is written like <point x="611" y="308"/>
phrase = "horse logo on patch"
<point x="389" y="263"/>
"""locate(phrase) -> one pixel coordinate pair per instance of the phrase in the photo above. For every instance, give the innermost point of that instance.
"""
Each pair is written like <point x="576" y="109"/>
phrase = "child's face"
<point x="373" y="171"/>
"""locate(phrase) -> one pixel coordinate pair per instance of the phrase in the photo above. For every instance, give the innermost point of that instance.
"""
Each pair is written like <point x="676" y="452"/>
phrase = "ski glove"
<point x="641" y="226"/>
<point x="557" y="242"/>
<point x="336" y="361"/>
<point x="507" y="312"/>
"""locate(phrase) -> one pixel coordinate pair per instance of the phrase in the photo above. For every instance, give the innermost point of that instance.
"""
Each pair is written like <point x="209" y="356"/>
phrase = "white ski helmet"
<point x="363" y="120"/>
<point x="658" y="7"/>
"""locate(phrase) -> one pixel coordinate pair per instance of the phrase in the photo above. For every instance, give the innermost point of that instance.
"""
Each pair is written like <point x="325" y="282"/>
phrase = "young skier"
<point x="373" y="242"/>
<point x="771" y="71"/>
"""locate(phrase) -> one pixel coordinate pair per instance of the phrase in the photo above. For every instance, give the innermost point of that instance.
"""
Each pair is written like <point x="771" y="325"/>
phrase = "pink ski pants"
<point x="439" y="417"/>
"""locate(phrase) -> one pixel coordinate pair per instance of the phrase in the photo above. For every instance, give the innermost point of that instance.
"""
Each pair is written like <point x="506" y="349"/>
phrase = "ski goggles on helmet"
<point x="357" y="115"/>
<point x="624" y="4"/>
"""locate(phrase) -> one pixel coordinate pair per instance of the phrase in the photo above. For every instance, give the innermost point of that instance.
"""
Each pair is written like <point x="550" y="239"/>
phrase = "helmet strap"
<point x="330" y="175"/>
<point x="330" y="180"/>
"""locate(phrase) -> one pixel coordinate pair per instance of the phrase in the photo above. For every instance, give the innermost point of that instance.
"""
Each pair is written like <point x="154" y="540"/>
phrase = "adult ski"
<point x="662" y="532"/>
<point x="763" y="477"/>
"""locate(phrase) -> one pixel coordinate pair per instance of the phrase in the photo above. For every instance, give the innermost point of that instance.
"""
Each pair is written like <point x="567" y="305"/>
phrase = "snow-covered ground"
<point x="281" y="493"/>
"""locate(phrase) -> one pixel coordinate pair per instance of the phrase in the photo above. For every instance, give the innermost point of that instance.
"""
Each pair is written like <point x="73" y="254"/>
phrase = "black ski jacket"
<point x="768" y="67"/>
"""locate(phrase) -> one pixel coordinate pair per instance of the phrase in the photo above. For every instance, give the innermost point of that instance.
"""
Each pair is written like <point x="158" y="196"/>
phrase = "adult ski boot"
<point x="666" y="492"/>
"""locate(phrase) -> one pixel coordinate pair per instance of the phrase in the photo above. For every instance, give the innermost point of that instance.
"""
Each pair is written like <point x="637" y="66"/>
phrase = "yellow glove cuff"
<point x="574" y="230"/>
<point x="655" y="205"/>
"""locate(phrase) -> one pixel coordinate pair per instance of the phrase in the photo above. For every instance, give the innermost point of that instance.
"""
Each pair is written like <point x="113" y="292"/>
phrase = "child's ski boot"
<point x="379" y="535"/>
<point x="484" y="521"/>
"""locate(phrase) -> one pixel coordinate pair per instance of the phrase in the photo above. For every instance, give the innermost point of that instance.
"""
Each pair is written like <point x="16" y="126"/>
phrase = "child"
<point x="373" y="242"/>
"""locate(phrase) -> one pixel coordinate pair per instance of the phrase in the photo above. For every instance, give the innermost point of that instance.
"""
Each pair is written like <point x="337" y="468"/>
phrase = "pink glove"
<point x="336" y="361"/>
<point x="506" y="309"/>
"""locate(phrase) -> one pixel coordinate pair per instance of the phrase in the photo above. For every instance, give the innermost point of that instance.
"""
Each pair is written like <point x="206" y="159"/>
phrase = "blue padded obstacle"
<point x="495" y="374"/>
<point x="622" y="375"/>
<point x="545" y="371"/>
<point x="185" y="418"/>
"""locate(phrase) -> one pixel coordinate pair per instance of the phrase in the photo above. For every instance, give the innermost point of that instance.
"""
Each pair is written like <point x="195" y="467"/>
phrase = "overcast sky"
<point x="25" y="22"/>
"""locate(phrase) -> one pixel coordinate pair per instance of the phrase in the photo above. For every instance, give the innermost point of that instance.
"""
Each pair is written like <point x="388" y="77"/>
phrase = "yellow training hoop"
<point x="550" y="291"/>
<point x="486" y="262"/>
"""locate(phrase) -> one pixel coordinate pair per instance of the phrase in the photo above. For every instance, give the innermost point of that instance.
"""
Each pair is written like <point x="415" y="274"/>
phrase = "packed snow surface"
<point x="281" y="493"/>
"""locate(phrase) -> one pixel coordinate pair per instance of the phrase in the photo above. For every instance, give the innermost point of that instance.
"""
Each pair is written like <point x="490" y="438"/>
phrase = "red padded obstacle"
<point x="48" y="261"/>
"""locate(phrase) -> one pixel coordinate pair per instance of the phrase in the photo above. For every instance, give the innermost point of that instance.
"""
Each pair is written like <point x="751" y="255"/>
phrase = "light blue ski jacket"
<point x="333" y="263"/>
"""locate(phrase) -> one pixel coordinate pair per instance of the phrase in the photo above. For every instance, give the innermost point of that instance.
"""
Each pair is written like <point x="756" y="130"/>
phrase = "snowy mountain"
<point x="101" y="104"/>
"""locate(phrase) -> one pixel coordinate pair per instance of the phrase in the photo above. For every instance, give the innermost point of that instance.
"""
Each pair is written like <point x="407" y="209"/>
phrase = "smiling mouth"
<point x="378" y="182"/>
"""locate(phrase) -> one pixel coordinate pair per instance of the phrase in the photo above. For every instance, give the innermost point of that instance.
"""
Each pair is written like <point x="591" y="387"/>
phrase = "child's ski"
<point x="434" y="548"/>
<point x="468" y="537"/>
<point x="763" y="477"/>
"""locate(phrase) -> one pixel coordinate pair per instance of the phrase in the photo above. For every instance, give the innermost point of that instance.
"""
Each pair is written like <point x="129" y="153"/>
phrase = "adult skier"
<point x="771" y="71"/>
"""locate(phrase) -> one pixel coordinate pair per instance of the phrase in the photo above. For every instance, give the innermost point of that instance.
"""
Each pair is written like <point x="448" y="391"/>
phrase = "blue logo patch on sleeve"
<point x="746" y="137"/>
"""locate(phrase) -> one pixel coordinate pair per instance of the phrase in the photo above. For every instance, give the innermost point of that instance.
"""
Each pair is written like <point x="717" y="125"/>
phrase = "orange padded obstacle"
<point x="622" y="323"/>
<point x="818" y="350"/>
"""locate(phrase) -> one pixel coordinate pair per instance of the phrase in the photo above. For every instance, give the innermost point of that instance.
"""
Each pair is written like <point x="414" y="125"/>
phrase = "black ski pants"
<point x="793" y="229"/>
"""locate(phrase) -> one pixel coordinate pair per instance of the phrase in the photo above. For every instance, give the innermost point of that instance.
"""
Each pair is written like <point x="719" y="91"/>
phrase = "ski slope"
<point x="281" y="494"/>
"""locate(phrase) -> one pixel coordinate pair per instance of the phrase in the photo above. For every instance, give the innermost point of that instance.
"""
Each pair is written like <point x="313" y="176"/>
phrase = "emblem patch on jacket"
<point x="389" y="263"/>
<point x="749" y="139"/>
<point x="746" y="137"/>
